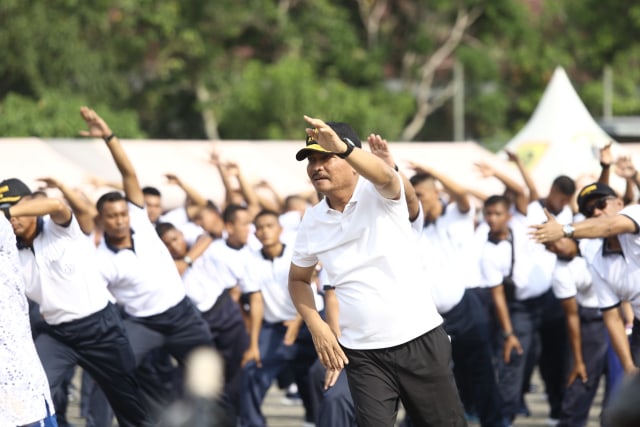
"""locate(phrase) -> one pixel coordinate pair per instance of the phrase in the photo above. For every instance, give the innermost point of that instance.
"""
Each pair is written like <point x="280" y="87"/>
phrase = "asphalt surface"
<point x="281" y="412"/>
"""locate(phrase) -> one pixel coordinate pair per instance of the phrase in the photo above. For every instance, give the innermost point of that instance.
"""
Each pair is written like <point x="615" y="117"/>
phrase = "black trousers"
<point x="99" y="344"/>
<point x="176" y="332"/>
<point x="417" y="373"/>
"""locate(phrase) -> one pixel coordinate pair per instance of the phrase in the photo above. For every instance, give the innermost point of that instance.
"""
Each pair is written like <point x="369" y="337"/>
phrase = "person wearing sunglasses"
<point x="615" y="266"/>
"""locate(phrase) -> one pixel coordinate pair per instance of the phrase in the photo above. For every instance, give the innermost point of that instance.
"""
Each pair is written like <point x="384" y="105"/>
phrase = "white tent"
<point x="561" y="137"/>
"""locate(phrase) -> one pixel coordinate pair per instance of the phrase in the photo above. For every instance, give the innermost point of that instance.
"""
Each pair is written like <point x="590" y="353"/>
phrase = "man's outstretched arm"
<point x="98" y="128"/>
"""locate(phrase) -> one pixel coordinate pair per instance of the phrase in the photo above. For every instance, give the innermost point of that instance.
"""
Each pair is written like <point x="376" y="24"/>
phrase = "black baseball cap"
<point x="342" y="129"/>
<point x="11" y="191"/>
<point x="593" y="191"/>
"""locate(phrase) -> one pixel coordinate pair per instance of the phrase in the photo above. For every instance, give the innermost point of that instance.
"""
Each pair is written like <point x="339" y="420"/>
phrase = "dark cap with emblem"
<point x="343" y="130"/>
<point x="11" y="191"/>
<point x="593" y="191"/>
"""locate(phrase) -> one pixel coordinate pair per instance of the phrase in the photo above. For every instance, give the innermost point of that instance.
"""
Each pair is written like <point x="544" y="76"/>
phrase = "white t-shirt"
<point x="616" y="277"/>
<point x="23" y="383"/>
<point x="143" y="279"/>
<point x="229" y="262"/>
<point x="573" y="279"/>
<point x="371" y="255"/>
<point x="61" y="273"/>
<point x="202" y="281"/>
<point x="271" y="278"/>
<point x="530" y="279"/>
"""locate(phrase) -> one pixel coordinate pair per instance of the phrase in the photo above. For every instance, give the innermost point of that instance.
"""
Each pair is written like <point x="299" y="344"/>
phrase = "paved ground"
<point x="281" y="414"/>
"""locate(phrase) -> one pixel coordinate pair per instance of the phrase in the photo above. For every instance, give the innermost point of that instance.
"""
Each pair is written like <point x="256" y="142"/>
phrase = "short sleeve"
<point x="563" y="282"/>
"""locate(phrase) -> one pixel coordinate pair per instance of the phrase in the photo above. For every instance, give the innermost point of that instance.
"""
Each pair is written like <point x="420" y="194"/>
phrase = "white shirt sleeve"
<point x="491" y="265"/>
<point x="562" y="281"/>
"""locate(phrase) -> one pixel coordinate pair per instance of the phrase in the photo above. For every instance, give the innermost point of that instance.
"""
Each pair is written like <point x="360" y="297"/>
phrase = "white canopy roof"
<point x="561" y="137"/>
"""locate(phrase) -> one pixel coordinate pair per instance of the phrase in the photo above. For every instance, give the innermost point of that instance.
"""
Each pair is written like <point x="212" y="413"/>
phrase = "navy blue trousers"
<point x="472" y="353"/>
<point x="333" y="407"/>
<point x="174" y="332"/>
<point x="543" y="316"/>
<point x="231" y="340"/>
<point x="275" y="357"/>
<point x="579" y="396"/>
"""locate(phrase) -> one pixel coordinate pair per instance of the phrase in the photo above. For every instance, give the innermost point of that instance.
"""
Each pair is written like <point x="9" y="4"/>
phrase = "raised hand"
<point x="50" y="182"/>
<point x="172" y="178"/>
<point x="625" y="168"/>
<point x="606" y="158"/>
<point x="485" y="169"/>
<point x="380" y="148"/>
<point x="98" y="128"/>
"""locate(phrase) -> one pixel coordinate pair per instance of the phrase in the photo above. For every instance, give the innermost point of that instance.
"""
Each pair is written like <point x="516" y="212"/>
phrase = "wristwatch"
<point x="568" y="230"/>
<point x="187" y="259"/>
<point x="350" y="146"/>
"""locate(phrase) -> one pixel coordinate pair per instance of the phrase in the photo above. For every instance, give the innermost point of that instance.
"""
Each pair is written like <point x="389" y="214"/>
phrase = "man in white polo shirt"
<point x="61" y="274"/>
<point x="572" y="285"/>
<point x="615" y="266"/>
<point x="361" y="234"/>
<point x="139" y="269"/>
<point x="524" y="304"/>
<point x="278" y="337"/>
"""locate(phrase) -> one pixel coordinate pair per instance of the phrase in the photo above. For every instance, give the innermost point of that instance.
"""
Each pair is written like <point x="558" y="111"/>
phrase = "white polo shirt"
<point x="229" y="262"/>
<point x="143" y="279"/>
<point x="202" y="281"/>
<point x="448" y="247"/>
<point x="531" y="281"/>
<point x="61" y="273"/>
<point x="23" y="382"/>
<point x="573" y="279"/>
<point x="616" y="277"/>
<point x="372" y="257"/>
<point x="271" y="278"/>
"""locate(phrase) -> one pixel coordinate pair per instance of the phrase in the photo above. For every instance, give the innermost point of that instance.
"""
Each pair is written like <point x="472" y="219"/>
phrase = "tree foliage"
<point x="229" y="69"/>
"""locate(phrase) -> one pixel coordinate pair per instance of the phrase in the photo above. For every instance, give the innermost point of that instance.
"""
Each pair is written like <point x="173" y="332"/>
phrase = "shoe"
<point x="291" y="396"/>
<point x="523" y="409"/>
<point x="552" y="422"/>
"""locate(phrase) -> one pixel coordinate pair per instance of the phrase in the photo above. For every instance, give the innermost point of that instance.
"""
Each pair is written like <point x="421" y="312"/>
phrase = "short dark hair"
<point x="497" y="199"/>
<point x="164" y="227"/>
<point x="420" y="178"/>
<point x="266" y="212"/>
<point x="230" y="213"/>
<point x="564" y="185"/>
<point x="110" y="197"/>
<point x="151" y="191"/>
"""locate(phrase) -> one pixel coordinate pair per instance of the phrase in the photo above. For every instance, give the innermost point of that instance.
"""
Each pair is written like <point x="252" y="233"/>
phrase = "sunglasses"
<point x="599" y="204"/>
